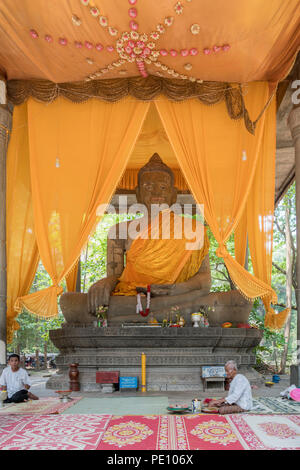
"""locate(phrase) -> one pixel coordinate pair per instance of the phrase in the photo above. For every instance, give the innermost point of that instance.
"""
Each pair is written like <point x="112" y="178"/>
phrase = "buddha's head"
<point x="156" y="184"/>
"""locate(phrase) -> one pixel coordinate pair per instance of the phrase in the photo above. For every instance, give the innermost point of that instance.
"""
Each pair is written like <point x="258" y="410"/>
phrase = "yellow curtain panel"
<point x="240" y="239"/>
<point x="22" y="252"/>
<point x="78" y="153"/>
<point x="219" y="160"/>
<point x="71" y="278"/>
<point x="260" y="216"/>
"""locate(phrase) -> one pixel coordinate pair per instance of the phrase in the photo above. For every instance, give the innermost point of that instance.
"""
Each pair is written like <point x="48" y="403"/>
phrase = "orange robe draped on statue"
<point x="153" y="259"/>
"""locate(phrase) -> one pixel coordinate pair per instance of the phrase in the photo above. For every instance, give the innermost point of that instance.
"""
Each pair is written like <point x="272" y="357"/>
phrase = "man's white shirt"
<point x="240" y="392"/>
<point x="14" y="381"/>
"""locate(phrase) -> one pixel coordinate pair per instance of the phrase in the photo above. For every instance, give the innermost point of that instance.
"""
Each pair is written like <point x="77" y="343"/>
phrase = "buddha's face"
<point x="156" y="188"/>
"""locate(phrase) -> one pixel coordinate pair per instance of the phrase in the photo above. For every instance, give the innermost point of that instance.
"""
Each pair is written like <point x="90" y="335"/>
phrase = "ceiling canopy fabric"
<point x="74" y="40"/>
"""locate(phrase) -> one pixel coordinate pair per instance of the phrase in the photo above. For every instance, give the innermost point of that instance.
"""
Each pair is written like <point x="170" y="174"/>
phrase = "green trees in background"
<point x="276" y="348"/>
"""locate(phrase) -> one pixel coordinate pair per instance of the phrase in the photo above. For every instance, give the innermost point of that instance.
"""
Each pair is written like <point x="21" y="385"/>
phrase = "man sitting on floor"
<point x="15" y="380"/>
<point x="240" y="396"/>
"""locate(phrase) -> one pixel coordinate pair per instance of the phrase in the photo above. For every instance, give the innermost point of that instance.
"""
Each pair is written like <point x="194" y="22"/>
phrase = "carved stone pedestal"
<point x="174" y="355"/>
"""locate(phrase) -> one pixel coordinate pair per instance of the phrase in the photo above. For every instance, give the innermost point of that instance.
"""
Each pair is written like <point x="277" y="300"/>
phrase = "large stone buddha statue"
<point x="178" y="275"/>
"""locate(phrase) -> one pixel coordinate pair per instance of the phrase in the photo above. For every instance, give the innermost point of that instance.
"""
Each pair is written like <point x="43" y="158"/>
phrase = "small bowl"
<point x="269" y="384"/>
<point x="64" y="395"/>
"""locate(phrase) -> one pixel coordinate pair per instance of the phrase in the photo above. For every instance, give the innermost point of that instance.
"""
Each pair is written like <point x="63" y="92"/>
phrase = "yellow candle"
<point x="143" y="372"/>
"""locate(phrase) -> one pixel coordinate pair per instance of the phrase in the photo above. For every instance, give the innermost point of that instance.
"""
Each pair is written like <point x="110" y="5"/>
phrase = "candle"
<point x="143" y="372"/>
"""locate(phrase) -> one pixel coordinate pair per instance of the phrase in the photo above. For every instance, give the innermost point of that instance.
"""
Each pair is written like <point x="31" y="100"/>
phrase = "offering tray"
<point x="179" y="409"/>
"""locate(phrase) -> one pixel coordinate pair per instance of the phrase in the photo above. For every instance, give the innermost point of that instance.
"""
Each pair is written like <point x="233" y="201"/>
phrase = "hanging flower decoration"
<point x="76" y="21"/>
<point x="103" y="21"/>
<point x="135" y="47"/>
<point x="112" y="31"/>
<point x="226" y="47"/>
<point x="195" y="29"/>
<point x="169" y="20"/>
<point x="134" y="25"/>
<point x="139" y="307"/>
<point x="178" y="8"/>
<point x="63" y="41"/>
<point x="160" y="28"/>
<point x="34" y="34"/>
<point x="94" y="11"/>
<point x="132" y="12"/>
<point x="48" y="38"/>
<point x="154" y="35"/>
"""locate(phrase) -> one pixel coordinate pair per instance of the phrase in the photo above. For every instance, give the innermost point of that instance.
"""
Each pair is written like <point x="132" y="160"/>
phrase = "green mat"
<point x="121" y="406"/>
<point x="275" y="405"/>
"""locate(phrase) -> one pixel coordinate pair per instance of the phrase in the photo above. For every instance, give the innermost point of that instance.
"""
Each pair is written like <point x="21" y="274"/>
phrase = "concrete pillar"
<point x="5" y="128"/>
<point x="294" y="124"/>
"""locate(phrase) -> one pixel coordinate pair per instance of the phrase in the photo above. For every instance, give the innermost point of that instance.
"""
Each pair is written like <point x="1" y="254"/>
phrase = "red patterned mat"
<point x="43" y="406"/>
<point x="267" y="432"/>
<point x="211" y="432"/>
<point x="201" y="432"/>
<point x="171" y="432"/>
<point x="52" y="432"/>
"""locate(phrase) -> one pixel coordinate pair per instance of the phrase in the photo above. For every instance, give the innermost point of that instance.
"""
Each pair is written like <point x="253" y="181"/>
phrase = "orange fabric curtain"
<point x="78" y="153"/>
<point x="257" y="220"/>
<point x="260" y="217"/>
<point x="71" y="279"/>
<point x="240" y="239"/>
<point x="219" y="159"/>
<point x="22" y="252"/>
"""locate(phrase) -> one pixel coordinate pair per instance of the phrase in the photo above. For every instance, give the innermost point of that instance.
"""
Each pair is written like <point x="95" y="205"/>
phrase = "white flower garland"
<point x="139" y="306"/>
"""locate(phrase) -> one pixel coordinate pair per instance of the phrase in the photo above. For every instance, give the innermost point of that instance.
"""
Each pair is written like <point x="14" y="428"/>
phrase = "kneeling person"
<point x="240" y="395"/>
<point x="15" y="380"/>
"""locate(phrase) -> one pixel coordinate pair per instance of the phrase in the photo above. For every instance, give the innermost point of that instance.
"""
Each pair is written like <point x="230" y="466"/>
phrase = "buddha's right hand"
<point x="99" y="293"/>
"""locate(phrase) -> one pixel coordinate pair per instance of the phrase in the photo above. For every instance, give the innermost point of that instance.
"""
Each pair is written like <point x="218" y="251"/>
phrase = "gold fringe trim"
<point x="113" y="90"/>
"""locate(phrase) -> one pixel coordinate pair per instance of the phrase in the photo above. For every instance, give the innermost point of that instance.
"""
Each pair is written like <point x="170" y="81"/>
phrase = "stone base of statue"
<point x="174" y="355"/>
